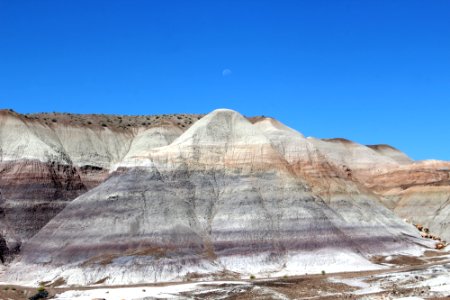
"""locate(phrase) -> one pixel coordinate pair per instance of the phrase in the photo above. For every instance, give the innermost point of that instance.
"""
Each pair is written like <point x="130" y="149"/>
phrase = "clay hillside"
<point x="126" y="199"/>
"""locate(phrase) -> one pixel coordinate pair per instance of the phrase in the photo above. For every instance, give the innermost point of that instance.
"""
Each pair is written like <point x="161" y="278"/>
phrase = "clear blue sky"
<point x="370" y="71"/>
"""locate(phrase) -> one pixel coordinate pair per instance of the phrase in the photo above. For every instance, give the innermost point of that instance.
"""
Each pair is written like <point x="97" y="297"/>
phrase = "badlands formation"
<point x="120" y="200"/>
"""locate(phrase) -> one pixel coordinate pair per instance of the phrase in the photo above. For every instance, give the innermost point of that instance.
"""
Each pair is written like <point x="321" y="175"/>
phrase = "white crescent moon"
<point x="226" y="72"/>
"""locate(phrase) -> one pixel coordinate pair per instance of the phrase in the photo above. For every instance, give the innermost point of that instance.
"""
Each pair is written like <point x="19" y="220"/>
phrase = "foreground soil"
<point x="406" y="277"/>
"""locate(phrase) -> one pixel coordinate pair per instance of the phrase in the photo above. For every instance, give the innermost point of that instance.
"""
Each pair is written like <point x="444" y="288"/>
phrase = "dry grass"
<point x="113" y="122"/>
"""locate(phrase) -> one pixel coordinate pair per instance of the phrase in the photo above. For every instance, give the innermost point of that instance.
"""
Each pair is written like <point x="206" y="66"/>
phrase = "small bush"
<point x="104" y="125"/>
<point x="323" y="272"/>
<point x="252" y="277"/>
<point x="39" y="295"/>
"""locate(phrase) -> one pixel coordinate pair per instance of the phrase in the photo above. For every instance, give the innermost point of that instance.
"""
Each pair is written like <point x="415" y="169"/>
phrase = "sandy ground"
<point x="427" y="277"/>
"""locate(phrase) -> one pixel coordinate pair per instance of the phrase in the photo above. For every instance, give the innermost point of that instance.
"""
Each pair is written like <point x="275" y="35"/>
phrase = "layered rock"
<point x="225" y="196"/>
<point x="163" y="197"/>
<point x="416" y="191"/>
<point x="391" y="152"/>
<point x="419" y="192"/>
<point x="47" y="160"/>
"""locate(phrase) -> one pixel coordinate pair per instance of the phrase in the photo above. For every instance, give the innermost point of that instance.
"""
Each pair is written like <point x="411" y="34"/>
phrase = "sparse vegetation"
<point x="41" y="293"/>
<point x="252" y="277"/>
<point x="114" y="121"/>
<point x="323" y="272"/>
<point x="41" y="288"/>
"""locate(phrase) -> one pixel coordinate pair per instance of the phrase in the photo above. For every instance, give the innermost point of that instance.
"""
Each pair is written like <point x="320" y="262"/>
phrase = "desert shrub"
<point x="41" y="293"/>
<point x="252" y="277"/>
<point x="323" y="272"/>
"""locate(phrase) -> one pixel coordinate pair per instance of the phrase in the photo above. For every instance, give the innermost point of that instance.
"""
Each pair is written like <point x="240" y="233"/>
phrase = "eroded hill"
<point x="162" y="197"/>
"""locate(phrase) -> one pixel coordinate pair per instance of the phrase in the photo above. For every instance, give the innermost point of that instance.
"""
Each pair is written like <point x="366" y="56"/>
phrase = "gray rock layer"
<point x="220" y="198"/>
<point x="168" y="221"/>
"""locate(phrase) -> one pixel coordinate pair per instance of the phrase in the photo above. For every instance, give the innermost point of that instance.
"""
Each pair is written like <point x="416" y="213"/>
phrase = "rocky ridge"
<point x="228" y="194"/>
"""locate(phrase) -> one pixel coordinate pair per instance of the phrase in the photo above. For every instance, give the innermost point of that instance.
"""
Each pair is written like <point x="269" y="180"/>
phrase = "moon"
<point x="226" y="72"/>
